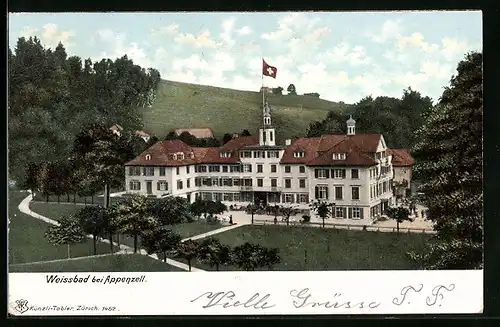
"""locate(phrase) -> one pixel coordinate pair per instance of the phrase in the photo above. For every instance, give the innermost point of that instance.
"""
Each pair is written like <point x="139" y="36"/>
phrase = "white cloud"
<point x="201" y="41"/>
<point x="245" y="30"/>
<point x="390" y="29"/>
<point x="453" y="48"/>
<point x="227" y="30"/>
<point x="343" y="53"/>
<point x="416" y="40"/>
<point x="291" y="25"/>
<point x="50" y="35"/>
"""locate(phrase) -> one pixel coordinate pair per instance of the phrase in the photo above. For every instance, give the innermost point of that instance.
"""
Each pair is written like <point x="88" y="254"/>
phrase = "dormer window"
<point x="180" y="156"/>
<point x="191" y="155"/>
<point x="148" y="157"/>
<point x="298" y="154"/>
<point x="225" y="154"/>
<point x="339" y="156"/>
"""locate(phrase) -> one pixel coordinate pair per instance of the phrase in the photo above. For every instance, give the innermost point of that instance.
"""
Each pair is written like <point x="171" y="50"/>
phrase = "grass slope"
<point x="27" y="242"/>
<point x="328" y="249"/>
<point x="111" y="263"/>
<point x="183" y="105"/>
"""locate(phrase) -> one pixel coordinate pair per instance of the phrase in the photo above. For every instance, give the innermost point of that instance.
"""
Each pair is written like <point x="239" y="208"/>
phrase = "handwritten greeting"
<point x="305" y="298"/>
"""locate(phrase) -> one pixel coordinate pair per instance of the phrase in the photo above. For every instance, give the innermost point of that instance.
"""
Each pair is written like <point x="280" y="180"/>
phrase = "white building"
<point x="352" y="171"/>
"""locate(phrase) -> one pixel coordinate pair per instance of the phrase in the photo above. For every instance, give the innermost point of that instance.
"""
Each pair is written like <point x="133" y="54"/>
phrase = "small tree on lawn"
<point x="188" y="251"/>
<point x="160" y="240"/>
<point x="135" y="217"/>
<point x="68" y="232"/>
<point x="111" y="224"/>
<point x="91" y="220"/>
<point x="198" y="207"/>
<point x="247" y="256"/>
<point x="322" y="209"/>
<point x="170" y="210"/>
<point x="213" y="253"/>
<point x="399" y="214"/>
<point x="287" y="211"/>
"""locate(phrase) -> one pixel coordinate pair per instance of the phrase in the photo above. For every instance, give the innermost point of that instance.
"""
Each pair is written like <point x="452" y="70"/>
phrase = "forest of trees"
<point x="396" y="119"/>
<point x="52" y="97"/>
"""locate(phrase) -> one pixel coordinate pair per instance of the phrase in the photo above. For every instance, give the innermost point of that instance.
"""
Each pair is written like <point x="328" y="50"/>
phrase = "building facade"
<point x="352" y="171"/>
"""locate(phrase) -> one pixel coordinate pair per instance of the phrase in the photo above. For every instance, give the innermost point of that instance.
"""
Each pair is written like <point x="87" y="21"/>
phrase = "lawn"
<point x="184" y="105"/>
<point x="306" y="248"/>
<point x="27" y="242"/>
<point x="111" y="263"/>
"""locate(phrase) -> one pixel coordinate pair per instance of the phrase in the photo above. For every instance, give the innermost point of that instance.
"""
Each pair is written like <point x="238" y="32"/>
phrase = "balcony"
<point x="246" y="188"/>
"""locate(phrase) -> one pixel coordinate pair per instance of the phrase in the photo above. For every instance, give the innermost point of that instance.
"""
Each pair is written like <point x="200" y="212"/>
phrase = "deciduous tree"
<point x="68" y="232"/>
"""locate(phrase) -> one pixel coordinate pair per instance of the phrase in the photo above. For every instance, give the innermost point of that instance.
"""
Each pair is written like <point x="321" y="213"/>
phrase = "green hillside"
<point x="183" y="105"/>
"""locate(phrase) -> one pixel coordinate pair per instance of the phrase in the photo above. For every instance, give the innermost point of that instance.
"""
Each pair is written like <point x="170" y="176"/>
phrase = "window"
<point x="273" y="168"/>
<point x="215" y="181"/>
<point x="288" y="183"/>
<point x="136" y="171"/>
<point x="235" y="169"/>
<point x="339" y="156"/>
<point x="162" y="171"/>
<point x="177" y="170"/>
<point x="218" y="196"/>
<point x="298" y="154"/>
<point x="236" y="197"/>
<point x="245" y="154"/>
<point x="188" y="183"/>
<point x="289" y="198"/>
<point x="201" y="169"/>
<point x="187" y="169"/>
<point x="224" y="169"/>
<point x="148" y="171"/>
<point x="304" y="198"/>
<point x="272" y="154"/>
<point x="288" y="169"/>
<point x="214" y="168"/>
<point x="339" y="173"/>
<point x="270" y="135"/>
<point x="384" y="187"/>
<point x="247" y="168"/>
<point x="302" y="169"/>
<point x="354" y="173"/>
<point x="228" y="196"/>
<point x="321" y="173"/>
<point x="338" y="193"/>
<point x="302" y="183"/>
<point x="339" y="212"/>
<point x="148" y="157"/>
<point x="355" y="192"/>
<point x="162" y="186"/>
<point x="225" y="154"/>
<point x="247" y="182"/>
<point x="259" y="168"/>
<point x="260" y="182"/>
<point x="321" y="192"/>
<point x="259" y="154"/>
<point x="179" y="185"/>
<point x="274" y="182"/>
<point x="236" y="182"/>
<point x="197" y="181"/>
<point x="135" y="185"/>
<point x="356" y="213"/>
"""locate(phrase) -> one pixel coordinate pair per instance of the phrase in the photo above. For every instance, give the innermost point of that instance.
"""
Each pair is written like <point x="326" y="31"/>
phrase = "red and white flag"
<point x="268" y="70"/>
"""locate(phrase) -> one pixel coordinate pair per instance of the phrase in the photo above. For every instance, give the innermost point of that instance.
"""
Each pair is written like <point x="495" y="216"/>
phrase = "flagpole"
<point x="262" y="88"/>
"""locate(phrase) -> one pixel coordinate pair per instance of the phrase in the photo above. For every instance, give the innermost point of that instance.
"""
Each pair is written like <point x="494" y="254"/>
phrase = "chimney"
<point x="288" y="142"/>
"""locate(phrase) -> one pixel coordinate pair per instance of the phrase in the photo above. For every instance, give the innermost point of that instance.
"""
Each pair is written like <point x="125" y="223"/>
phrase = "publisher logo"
<point x="21" y="306"/>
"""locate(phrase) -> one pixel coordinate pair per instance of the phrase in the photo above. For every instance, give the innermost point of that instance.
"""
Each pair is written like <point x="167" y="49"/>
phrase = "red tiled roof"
<point x="319" y="150"/>
<point x="197" y="132"/>
<point x="162" y="155"/>
<point x="401" y="157"/>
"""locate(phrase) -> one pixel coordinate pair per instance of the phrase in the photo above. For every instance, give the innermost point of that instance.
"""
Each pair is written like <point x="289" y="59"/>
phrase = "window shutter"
<point x="130" y="185"/>
<point x="361" y="213"/>
<point x="139" y="186"/>
<point x="316" y="173"/>
<point x="327" y="193"/>
<point x="298" y="198"/>
<point x="327" y="173"/>
<point x="143" y="171"/>
<point x="157" y="186"/>
<point x="130" y="171"/>
<point x="332" y="173"/>
<point x="316" y="192"/>
<point x="350" y="213"/>
<point x="283" y="198"/>
<point x="343" y="173"/>
<point x="307" y="198"/>
<point x="345" y="212"/>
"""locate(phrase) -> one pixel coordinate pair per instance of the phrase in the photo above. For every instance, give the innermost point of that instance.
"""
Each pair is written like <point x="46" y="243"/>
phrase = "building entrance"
<point x="260" y="198"/>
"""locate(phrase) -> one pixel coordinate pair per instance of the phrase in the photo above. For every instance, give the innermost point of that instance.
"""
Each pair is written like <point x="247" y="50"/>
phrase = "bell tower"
<point x="267" y="135"/>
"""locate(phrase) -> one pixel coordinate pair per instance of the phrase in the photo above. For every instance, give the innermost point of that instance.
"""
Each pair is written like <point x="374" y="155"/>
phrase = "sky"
<point x="343" y="56"/>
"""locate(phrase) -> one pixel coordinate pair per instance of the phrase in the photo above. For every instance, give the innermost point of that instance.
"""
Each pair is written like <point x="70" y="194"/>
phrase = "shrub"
<point x="306" y="218"/>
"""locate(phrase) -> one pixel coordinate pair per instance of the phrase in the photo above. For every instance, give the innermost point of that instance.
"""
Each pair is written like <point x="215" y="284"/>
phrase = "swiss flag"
<point x="268" y="70"/>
